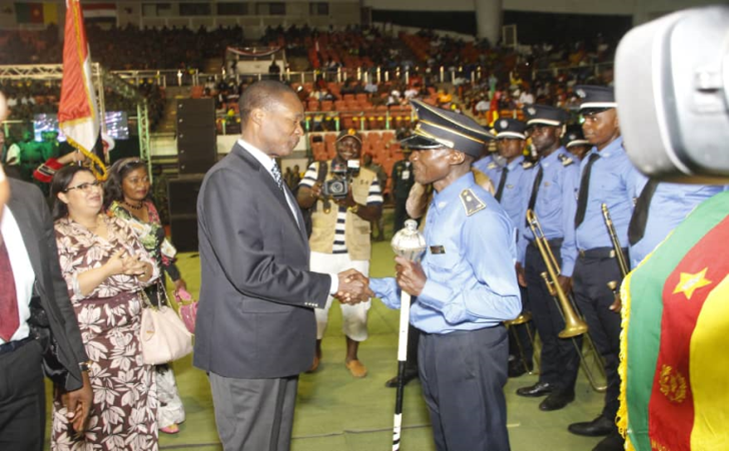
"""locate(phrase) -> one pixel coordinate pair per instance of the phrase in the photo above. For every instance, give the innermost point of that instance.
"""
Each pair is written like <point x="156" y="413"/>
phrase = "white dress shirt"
<point x="22" y="270"/>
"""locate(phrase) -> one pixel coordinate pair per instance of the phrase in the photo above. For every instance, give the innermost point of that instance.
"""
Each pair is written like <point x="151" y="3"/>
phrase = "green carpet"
<point x="335" y="412"/>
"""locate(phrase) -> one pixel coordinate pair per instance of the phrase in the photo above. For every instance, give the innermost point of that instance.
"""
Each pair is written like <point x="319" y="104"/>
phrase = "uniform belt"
<point x="554" y="242"/>
<point x="599" y="252"/>
<point x="11" y="346"/>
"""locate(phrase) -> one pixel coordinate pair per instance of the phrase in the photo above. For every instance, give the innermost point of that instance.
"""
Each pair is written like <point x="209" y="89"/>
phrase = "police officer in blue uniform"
<point x="551" y="195"/>
<point x="574" y="141"/>
<point x="510" y="179"/>
<point x="466" y="287"/>
<point x="661" y="207"/>
<point x="607" y="177"/>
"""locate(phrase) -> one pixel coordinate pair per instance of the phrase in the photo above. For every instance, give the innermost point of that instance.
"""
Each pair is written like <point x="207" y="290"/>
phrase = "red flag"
<point x="78" y="114"/>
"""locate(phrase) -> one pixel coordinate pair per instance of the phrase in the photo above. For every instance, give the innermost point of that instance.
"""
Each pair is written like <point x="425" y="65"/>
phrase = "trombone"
<point x="619" y="256"/>
<point x="574" y="323"/>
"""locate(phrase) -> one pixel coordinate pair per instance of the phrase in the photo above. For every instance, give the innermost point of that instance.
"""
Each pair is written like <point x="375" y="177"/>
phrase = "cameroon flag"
<point x="674" y="361"/>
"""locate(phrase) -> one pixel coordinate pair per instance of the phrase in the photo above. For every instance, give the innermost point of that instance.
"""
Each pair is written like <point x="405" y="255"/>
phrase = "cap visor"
<point x="416" y="142"/>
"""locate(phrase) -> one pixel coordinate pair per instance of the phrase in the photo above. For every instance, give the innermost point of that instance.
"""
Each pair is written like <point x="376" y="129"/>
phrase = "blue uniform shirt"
<point x="613" y="181"/>
<point x="469" y="264"/>
<point x="516" y="185"/>
<point x="669" y="206"/>
<point x="489" y="166"/>
<point x="555" y="205"/>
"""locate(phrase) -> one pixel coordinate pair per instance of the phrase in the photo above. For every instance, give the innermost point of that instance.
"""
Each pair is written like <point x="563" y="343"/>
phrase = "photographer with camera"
<point x="346" y="201"/>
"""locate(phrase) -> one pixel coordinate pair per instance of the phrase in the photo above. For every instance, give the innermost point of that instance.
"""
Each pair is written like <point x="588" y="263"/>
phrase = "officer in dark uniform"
<point x="402" y="181"/>
<point x="465" y="288"/>
<point x="607" y="177"/>
<point x="550" y="194"/>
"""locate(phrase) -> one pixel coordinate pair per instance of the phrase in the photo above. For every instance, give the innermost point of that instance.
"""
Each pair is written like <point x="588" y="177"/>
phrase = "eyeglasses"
<point x="85" y="187"/>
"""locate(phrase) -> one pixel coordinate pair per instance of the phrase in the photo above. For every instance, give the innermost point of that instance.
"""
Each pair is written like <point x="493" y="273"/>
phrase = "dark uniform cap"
<point x="510" y="128"/>
<point x="349" y="132"/>
<point x="442" y="128"/>
<point x="574" y="136"/>
<point x="545" y="115"/>
<point x="595" y="99"/>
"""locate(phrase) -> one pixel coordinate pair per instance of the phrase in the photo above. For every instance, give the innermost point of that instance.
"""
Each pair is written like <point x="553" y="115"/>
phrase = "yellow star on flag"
<point x="691" y="282"/>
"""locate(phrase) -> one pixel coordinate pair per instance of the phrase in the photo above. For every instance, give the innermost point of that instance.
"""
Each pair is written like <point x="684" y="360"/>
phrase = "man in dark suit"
<point x="29" y="266"/>
<point x="256" y="327"/>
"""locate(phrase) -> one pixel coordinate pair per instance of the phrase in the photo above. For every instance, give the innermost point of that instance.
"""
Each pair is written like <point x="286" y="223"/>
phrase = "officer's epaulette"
<point x="491" y="165"/>
<point x="471" y="203"/>
<point x="527" y="164"/>
<point x="566" y="161"/>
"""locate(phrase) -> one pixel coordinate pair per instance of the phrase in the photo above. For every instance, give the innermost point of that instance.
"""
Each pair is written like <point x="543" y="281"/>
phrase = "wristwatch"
<point x="84" y="365"/>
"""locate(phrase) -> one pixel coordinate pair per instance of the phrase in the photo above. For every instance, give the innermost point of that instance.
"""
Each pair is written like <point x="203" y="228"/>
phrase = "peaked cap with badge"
<point x="510" y="128"/>
<point x="595" y="99"/>
<point x="574" y="137"/>
<point x="545" y="115"/>
<point x="438" y="128"/>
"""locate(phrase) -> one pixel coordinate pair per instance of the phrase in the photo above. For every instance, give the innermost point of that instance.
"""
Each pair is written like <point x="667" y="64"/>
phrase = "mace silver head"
<point x="408" y="242"/>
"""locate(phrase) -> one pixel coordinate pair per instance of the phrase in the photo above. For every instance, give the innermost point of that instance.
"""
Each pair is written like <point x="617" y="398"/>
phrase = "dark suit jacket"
<point x="30" y="210"/>
<point x="255" y="316"/>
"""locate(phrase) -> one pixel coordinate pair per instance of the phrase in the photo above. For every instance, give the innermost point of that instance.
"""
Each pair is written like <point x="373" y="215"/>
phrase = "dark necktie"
<point x="584" y="190"/>
<point x="276" y="172"/>
<point x="638" y="221"/>
<point x="9" y="321"/>
<point x="502" y="182"/>
<point x="535" y="188"/>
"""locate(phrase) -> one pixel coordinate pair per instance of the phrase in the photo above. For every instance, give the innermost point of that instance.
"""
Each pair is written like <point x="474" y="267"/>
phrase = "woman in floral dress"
<point x="127" y="196"/>
<point x="106" y="269"/>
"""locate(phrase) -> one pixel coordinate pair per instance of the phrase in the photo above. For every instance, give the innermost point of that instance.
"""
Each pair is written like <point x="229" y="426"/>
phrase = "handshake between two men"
<point x="353" y="287"/>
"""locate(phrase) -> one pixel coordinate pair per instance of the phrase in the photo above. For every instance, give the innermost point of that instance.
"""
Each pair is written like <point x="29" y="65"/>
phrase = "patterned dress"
<point x="152" y="236"/>
<point x="124" y="409"/>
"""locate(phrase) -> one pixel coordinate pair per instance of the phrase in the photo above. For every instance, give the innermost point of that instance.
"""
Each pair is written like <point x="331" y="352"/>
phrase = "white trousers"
<point x="354" y="317"/>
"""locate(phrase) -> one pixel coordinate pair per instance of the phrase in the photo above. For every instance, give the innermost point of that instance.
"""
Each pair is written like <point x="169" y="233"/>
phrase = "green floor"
<point x="335" y="412"/>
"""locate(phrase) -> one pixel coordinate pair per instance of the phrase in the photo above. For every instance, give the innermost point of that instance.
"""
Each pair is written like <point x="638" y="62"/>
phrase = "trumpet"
<point x="619" y="256"/>
<point x="575" y="325"/>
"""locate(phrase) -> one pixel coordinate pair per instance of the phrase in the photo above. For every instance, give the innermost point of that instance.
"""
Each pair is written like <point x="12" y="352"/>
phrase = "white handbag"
<point x="163" y="335"/>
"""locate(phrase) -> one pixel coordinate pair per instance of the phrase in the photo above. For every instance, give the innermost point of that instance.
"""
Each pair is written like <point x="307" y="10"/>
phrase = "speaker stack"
<point x="196" y="153"/>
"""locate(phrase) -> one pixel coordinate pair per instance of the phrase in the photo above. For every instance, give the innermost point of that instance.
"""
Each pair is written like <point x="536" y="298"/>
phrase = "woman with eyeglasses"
<point x="106" y="268"/>
<point x="127" y="196"/>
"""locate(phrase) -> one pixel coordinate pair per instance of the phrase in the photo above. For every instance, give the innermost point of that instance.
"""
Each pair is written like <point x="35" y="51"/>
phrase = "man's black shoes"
<point x="407" y="376"/>
<point x="595" y="428"/>
<point x="557" y="400"/>
<point x="536" y="390"/>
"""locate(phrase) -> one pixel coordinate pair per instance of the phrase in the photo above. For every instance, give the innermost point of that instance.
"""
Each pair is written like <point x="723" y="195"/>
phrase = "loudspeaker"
<point x="184" y="232"/>
<point x="196" y="135"/>
<point x="182" y="195"/>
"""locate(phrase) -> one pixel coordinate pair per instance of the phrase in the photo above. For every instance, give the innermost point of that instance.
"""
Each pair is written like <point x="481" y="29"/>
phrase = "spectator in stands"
<point x="340" y="237"/>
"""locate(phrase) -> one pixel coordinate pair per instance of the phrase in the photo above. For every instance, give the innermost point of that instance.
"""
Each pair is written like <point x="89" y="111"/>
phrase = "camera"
<point x="338" y="186"/>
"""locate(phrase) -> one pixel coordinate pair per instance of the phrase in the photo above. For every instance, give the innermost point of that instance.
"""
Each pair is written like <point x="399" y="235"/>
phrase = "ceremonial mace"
<point x="410" y="244"/>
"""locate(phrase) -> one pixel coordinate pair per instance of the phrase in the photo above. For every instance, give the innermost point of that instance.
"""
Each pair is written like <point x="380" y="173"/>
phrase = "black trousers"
<point x="520" y="346"/>
<point x="22" y="399"/>
<point x="559" y="361"/>
<point x="401" y="214"/>
<point x="463" y="376"/>
<point x="593" y="297"/>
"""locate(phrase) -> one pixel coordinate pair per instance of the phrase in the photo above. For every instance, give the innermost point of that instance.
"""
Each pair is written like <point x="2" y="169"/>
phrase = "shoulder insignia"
<point x="566" y="161"/>
<point x="527" y="164"/>
<point x="491" y="165"/>
<point x="471" y="203"/>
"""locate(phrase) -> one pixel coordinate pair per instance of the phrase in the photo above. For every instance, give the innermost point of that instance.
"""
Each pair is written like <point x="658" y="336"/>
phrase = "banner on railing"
<point x="254" y="51"/>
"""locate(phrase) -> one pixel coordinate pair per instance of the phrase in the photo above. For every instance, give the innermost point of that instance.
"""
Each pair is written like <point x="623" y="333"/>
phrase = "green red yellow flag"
<point x="674" y="360"/>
